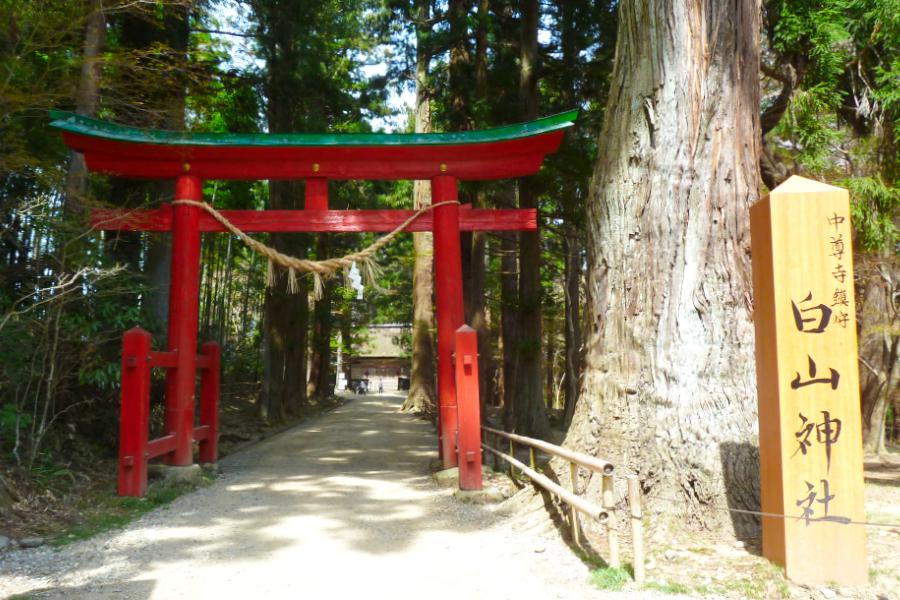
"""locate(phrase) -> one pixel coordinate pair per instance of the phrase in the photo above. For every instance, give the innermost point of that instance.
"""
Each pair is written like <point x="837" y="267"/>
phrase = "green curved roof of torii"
<point x="498" y="153"/>
<point x="87" y="126"/>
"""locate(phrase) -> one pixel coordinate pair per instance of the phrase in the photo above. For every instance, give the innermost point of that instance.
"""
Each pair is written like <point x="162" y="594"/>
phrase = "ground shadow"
<point x="362" y="470"/>
<point x="740" y="470"/>
<point x="141" y="589"/>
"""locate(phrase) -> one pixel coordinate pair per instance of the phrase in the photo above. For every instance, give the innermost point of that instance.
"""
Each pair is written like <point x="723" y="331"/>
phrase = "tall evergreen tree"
<point x="668" y="387"/>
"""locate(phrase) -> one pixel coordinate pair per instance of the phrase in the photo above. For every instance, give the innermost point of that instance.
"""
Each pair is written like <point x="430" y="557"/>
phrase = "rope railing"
<point x="584" y="506"/>
<point x="604" y="515"/>
<point x="601" y="467"/>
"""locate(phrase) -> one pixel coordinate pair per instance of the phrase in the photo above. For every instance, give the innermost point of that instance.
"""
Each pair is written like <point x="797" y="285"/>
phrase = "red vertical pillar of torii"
<point x="449" y="313"/>
<point x="316" y="194"/>
<point x="184" y="306"/>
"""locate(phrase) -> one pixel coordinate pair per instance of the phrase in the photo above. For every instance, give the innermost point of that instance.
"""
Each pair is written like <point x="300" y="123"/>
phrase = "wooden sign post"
<point x="810" y="440"/>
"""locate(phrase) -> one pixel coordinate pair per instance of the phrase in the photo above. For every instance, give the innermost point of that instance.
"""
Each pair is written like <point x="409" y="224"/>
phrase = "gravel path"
<point x="340" y="507"/>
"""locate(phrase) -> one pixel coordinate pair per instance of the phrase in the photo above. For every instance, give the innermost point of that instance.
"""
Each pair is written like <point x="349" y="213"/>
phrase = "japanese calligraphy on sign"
<point x="808" y="383"/>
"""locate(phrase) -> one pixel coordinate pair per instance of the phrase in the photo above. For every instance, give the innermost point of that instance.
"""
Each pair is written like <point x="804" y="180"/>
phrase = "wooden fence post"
<point x="612" y="536"/>
<point x="573" y="514"/>
<point x="637" y="527"/>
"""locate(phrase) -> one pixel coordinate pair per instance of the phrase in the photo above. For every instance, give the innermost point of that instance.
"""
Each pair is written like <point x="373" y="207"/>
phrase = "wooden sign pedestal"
<point x="810" y="440"/>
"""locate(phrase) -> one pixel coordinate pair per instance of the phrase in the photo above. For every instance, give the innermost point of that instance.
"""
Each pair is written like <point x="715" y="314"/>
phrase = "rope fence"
<point x="759" y="513"/>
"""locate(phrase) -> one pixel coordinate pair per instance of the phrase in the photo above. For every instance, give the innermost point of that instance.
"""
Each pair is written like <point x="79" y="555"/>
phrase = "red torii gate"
<point x="190" y="158"/>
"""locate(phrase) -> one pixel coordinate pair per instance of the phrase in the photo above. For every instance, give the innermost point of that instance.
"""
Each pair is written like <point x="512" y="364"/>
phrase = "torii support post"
<point x="134" y="428"/>
<point x="469" y="408"/>
<point x="209" y="402"/>
<point x="450" y="315"/>
<point x="184" y="304"/>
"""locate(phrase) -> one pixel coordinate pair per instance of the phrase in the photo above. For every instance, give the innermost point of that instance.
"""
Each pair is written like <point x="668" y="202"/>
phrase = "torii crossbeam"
<point x="190" y="158"/>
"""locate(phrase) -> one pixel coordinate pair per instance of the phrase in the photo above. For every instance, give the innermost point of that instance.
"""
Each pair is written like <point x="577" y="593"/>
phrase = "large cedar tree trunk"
<point x="477" y="316"/>
<point x="319" y="386"/>
<point x="509" y="322"/>
<point x="286" y="314"/>
<point x="573" y="211"/>
<point x="172" y="101"/>
<point x="669" y="390"/>
<point x="530" y="413"/>
<point x="422" y="375"/>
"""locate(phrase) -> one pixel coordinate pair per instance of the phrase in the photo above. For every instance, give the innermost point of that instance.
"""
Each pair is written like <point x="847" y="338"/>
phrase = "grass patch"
<point x="765" y="582"/>
<point x="107" y="512"/>
<point x="667" y="587"/>
<point x="610" y="579"/>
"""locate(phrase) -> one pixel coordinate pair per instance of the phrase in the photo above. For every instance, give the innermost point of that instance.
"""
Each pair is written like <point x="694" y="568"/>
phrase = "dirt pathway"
<point x="340" y="507"/>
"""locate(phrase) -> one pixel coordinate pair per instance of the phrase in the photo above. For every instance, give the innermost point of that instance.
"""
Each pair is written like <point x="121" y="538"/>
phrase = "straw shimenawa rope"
<point x="320" y="269"/>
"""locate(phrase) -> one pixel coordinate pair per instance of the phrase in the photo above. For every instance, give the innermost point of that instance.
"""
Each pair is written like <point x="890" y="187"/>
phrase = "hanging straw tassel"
<point x="292" y="285"/>
<point x="318" y="286"/>
<point x="372" y="273"/>
<point x="270" y="274"/>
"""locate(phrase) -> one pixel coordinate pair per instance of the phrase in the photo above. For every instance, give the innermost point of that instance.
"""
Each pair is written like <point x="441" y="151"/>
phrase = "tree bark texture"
<point x="476" y="300"/>
<point x="421" y="397"/>
<point x="530" y="413"/>
<point x="669" y="390"/>
<point x="159" y="251"/>
<point x="573" y="354"/>
<point x="86" y="101"/>
<point x="286" y="314"/>
<point x="879" y="346"/>
<point x="319" y="386"/>
<point x="572" y="202"/>
<point x="509" y="324"/>
<point x="285" y="321"/>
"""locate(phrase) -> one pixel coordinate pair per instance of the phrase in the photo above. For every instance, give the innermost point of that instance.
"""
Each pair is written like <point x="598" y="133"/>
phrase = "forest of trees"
<point x="625" y="321"/>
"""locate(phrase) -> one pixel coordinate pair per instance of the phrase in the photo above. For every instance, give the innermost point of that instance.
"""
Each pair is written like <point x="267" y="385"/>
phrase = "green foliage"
<point x="842" y="61"/>
<point x="810" y="122"/>
<point x="11" y="419"/>
<point x="874" y="210"/>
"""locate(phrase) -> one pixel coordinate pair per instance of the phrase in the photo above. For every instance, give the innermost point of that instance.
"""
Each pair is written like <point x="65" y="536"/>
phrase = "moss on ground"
<point x="104" y="512"/>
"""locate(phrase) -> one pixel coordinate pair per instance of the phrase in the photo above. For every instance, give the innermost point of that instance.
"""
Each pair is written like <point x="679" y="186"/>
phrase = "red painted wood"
<point x="167" y="360"/>
<point x="255" y="221"/>
<point x="449" y="309"/>
<point x="493" y="160"/>
<point x="162" y="446"/>
<point x="468" y="408"/>
<point x="316" y="194"/>
<point x="201" y="433"/>
<point x="184" y="303"/>
<point x="209" y="403"/>
<point x="134" y="421"/>
<point x="116" y="219"/>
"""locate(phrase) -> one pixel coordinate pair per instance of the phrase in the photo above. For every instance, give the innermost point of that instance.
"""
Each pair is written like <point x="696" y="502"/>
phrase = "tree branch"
<point x="222" y="32"/>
